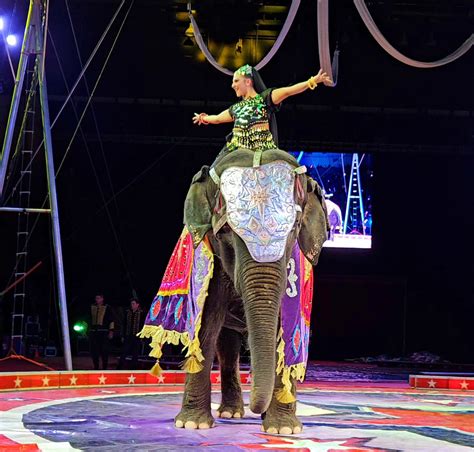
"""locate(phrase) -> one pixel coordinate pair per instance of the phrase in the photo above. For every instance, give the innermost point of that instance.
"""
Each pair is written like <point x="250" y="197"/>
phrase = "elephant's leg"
<point x="228" y="350"/>
<point x="281" y="417"/>
<point x="196" y="408"/>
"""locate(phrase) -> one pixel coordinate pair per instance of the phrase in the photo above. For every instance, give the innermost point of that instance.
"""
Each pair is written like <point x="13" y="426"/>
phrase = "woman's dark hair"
<point x="259" y="87"/>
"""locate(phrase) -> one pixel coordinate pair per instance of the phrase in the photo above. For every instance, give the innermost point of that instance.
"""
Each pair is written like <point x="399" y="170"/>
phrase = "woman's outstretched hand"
<point x="321" y="77"/>
<point x="200" y="118"/>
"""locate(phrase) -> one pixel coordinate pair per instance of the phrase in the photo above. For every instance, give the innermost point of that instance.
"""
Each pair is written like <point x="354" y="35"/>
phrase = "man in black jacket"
<point x="101" y="331"/>
<point x="133" y="323"/>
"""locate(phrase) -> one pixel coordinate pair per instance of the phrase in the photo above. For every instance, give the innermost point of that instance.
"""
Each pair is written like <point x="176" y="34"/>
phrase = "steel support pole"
<point x="20" y="77"/>
<point x="53" y="201"/>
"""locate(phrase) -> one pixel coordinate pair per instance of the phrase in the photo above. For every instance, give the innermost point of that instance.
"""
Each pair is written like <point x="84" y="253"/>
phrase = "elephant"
<point x="245" y="292"/>
<point x="334" y="218"/>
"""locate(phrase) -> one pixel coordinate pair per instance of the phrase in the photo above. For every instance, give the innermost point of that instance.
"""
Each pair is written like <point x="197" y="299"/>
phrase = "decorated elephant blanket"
<point x="176" y="311"/>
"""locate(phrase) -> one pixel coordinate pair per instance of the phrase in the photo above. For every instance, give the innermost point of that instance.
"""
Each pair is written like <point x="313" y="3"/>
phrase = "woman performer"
<point x="254" y="116"/>
<point x="186" y="300"/>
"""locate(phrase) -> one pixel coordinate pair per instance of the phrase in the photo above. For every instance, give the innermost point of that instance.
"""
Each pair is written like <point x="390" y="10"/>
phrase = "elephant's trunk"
<point x="261" y="287"/>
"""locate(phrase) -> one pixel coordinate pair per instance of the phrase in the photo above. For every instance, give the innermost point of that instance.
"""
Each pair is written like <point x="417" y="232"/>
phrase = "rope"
<point x="39" y="147"/>
<point x="114" y="231"/>
<point x="375" y="32"/>
<point x="101" y="144"/>
<point x="7" y="50"/>
<point x="279" y="41"/>
<point x="132" y="182"/>
<point x="75" y="85"/>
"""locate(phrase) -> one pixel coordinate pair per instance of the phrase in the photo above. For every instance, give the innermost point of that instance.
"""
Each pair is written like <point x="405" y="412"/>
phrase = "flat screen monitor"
<point x="346" y="182"/>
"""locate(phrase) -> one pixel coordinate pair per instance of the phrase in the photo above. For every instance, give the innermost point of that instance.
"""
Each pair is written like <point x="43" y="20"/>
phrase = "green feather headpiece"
<point x="245" y="70"/>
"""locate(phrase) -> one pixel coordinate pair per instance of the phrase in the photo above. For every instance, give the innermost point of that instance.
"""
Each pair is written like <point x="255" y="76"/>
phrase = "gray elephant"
<point x="245" y="217"/>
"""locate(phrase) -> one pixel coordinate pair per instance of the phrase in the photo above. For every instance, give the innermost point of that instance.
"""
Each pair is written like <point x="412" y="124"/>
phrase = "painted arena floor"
<point x="339" y="415"/>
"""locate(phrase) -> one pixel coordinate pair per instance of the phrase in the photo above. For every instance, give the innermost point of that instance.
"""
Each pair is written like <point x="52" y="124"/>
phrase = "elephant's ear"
<point x="197" y="207"/>
<point x="314" y="225"/>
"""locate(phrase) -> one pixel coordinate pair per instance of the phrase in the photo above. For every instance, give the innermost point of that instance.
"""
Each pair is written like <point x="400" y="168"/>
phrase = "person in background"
<point x="101" y="331"/>
<point x="133" y="323"/>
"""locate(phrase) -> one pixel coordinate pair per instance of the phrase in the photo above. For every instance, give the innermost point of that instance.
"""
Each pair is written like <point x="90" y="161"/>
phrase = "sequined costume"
<point x="251" y="125"/>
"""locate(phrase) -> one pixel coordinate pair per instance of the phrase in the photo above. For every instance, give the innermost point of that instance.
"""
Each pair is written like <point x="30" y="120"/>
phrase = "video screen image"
<point x="346" y="181"/>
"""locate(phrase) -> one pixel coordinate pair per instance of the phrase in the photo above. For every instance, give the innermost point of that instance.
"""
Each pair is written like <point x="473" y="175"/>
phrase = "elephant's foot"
<point x="281" y="419"/>
<point x="194" y="418"/>
<point x="231" y="410"/>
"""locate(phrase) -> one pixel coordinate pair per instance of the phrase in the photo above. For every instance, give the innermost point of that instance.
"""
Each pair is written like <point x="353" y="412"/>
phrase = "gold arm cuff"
<point x="311" y="83"/>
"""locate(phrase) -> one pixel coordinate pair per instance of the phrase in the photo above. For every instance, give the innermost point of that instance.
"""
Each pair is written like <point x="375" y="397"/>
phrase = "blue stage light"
<point x="2" y="24"/>
<point x="11" y="40"/>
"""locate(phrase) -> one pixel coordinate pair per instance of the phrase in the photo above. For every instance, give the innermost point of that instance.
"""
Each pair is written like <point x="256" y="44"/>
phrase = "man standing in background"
<point x="101" y="331"/>
<point x="134" y="319"/>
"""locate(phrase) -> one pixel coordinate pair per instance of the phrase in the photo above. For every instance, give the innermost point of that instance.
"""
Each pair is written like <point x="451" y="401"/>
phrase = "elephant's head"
<point x="252" y="217"/>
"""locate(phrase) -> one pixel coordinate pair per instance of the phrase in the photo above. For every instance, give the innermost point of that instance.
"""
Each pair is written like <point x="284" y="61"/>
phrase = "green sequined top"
<point x="251" y="126"/>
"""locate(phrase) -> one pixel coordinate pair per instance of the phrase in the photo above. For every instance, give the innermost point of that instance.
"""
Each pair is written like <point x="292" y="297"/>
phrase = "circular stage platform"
<point x="337" y="416"/>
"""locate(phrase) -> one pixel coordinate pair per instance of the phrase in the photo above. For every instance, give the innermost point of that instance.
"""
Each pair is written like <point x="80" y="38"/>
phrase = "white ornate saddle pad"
<point x="261" y="207"/>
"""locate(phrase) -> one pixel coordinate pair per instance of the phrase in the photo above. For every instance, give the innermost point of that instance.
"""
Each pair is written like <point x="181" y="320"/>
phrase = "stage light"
<point x="189" y="31"/>
<point x="11" y="40"/>
<point x="238" y="46"/>
<point x="80" y="327"/>
<point x="2" y="24"/>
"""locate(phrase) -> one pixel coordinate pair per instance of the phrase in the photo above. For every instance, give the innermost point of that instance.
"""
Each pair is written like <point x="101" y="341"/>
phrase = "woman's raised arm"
<point x="280" y="94"/>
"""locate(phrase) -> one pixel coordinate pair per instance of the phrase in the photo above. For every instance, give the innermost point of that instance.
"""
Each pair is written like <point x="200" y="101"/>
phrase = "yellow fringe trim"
<point x="283" y="396"/>
<point x="156" y="370"/>
<point x="296" y="371"/>
<point x="160" y="336"/>
<point x="192" y="365"/>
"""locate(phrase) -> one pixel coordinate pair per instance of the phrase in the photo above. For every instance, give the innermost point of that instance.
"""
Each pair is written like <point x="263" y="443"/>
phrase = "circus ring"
<point x="131" y="411"/>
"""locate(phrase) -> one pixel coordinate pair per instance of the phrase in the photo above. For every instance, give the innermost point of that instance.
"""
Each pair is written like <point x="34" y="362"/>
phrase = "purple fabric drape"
<point x="323" y="44"/>
<point x="279" y="41"/>
<point x="375" y="32"/>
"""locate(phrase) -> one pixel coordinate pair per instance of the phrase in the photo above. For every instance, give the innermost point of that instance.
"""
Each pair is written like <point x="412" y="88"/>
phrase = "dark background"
<point x="413" y="291"/>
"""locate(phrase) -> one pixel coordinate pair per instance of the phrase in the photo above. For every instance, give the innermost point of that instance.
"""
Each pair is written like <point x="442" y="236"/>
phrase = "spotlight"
<point x="2" y="24"/>
<point x="11" y="40"/>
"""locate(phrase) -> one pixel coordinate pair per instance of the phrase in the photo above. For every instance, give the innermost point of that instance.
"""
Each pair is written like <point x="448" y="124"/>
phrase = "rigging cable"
<point x="96" y="175"/>
<point x="62" y="161"/>
<point x="68" y="97"/>
<point x="7" y="50"/>
<point x="101" y="144"/>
